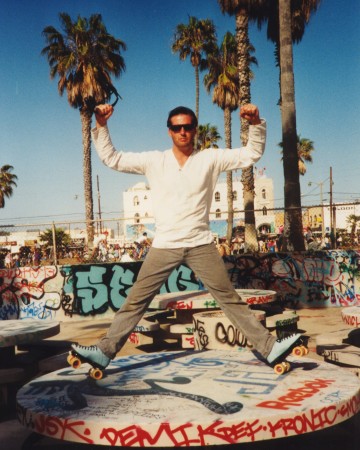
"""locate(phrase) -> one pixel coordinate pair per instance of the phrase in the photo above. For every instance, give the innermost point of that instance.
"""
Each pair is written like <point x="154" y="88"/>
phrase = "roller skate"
<point x="294" y="345"/>
<point x="88" y="354"/>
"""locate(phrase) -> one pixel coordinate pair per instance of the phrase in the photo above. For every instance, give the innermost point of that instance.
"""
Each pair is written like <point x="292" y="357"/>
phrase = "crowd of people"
<point x="136" y="251"/>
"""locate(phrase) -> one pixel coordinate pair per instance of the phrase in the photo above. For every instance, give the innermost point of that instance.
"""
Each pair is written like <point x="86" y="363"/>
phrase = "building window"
<point x="264" y="211"/>
<point x="136" y="201"/>
<point x="235" y="196"/>
<point x="263" y="193"/>
<point x="218" y="214"/>
<point x="137" y="218"/>
<point x="217" y="196"/>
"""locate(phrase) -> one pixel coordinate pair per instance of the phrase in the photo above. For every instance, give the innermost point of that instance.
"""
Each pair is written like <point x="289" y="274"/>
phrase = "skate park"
<point x="186" y="376"/>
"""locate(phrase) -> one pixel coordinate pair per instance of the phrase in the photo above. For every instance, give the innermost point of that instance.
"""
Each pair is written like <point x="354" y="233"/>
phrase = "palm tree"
<point x="353" y="220"/>
<point x="208" y="136"/>
<point x="7" y="182"/>
<point x="62" y="238"/>
<point x="195" y="40"/>
<point x="301" y="11"/>
<point x="304" y="149"/>
<point x="287" y="20"/>
<point x="83" y="58"/>
<point x="245" y="10"/>
<point x="223" y="77"/>
<point x="293" y="230"/>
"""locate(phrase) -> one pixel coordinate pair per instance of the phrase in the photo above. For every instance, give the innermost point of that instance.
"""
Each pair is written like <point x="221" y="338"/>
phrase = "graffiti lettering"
<point x="200" y="335"/>
<point x="353" y="321"/>
<point x="64" y="429"/>
<point x="230" y="336"/>
<point x="259" y="300"/>
<point x="135" y="436"/>
<point x="328" y="278"/>
<point x="294" y="397"/>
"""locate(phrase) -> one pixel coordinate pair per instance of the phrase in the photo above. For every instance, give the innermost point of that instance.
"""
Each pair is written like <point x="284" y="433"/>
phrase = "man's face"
<point x="182" y="132"/>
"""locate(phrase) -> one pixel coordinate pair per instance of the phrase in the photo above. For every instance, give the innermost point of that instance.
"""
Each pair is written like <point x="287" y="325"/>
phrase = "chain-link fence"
<point x="129" y="239"/>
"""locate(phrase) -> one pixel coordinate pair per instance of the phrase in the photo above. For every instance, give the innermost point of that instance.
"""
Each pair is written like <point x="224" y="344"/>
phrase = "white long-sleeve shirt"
<point x="181" y="196"/>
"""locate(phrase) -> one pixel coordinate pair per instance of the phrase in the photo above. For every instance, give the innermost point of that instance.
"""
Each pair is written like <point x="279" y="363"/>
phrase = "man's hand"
<point x="102" y="114"/>
<point x="250" y="113"/>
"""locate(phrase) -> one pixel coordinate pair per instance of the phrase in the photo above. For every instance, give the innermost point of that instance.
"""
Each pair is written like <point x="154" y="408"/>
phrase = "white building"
<point x="318" y="218"/>
<point x="138" y="213"/>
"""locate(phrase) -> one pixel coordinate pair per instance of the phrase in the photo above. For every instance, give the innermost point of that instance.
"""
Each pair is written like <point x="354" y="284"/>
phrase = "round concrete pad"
<point x="204" y="300"/>
<point x="183" y="399"/>
<point x="351" y="316"/>
<point x="214" y="331"/>
<point x="26" y="331"/>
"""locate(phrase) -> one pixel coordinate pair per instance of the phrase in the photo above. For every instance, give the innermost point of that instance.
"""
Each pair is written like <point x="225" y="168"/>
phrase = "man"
<point x="182" y="181"/>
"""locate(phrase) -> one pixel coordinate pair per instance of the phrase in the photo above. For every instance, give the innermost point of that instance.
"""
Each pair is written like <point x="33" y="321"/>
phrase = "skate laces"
<point x="286" y="338"/>
<point x="87" y="347"/>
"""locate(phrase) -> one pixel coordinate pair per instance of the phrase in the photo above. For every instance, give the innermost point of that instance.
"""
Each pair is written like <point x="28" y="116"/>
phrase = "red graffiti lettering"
<point x="134" y="338"/>
<point x="136" y="436"/>
<point x="230" y="434"/>
<point x="351" y="320"/>
<point x="314" y="420"/>
<point x="180" y="305"/>
<point x="294" y="397"/>
<point x="259" y="299"/>
<point x="63" y="429"/>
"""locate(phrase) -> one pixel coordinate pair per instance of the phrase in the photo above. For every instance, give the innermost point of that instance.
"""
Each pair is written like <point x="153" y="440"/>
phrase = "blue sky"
<point x="41" y="133"/>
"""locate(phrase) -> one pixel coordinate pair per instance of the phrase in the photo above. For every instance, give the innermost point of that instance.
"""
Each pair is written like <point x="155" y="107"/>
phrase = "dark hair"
<point x="182" y="110"/>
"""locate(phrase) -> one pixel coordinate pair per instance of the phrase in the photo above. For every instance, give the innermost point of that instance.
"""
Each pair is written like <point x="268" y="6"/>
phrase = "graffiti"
<point x="230" y="335"/>
<point x="184" y="399"/>
<point x="351" y="316"/>
<point x="328" y="278"/>
<point x="313" y="421"/>
<point x="259" y="299"/>
<point x="294" y="397"/>
<point x="202" y="340"/>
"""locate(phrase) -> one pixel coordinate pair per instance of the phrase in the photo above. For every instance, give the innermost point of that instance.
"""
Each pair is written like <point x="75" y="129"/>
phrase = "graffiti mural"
<point x="330" y="278"/>
<point x="327" y="278"/>
<point x="188" y="399"/>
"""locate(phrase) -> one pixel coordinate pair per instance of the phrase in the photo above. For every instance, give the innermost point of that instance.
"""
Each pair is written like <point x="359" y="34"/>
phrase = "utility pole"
<point x="332" y="233"/>
<point x="99" y="207"/>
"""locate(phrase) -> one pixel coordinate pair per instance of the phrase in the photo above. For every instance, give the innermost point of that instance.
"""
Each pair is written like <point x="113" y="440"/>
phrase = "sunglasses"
<point x="186" y="126"/>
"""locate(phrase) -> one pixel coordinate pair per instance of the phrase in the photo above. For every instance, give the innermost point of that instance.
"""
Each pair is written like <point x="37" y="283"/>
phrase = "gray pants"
<point x="208" y="265"/>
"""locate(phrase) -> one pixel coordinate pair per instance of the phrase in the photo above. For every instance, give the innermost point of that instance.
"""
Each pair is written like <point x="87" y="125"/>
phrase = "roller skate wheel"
<point x="95" y="373"/>
<point x="298" y="351"/>
<point x="287" y="365"/>
<point x="306" y="350"/>
<point x="280" y="369"/>
<point x="74" y="361"/>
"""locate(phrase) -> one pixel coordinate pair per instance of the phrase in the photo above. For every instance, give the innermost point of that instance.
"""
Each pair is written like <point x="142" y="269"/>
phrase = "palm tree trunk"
<point x="247" y="178"/>
<point x="229" y="178"/>
<point x="197" y="92"/>
<point x="87" y="174"/>
<point x="293" y="228"/>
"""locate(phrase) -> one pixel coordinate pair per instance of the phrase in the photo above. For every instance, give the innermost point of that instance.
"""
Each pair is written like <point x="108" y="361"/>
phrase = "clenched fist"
<point x="250" y="113"/>
<point x="102" y="114"/>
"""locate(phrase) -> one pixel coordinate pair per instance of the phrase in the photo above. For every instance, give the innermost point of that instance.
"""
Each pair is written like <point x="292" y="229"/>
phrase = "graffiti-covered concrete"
<point x="320" y="279"/>
<point x="187" y="399"/>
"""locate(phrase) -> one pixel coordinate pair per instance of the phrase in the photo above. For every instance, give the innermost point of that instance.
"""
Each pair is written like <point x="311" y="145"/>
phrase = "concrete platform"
<point x="312" y="321"/>
<point x="188" y="399"/>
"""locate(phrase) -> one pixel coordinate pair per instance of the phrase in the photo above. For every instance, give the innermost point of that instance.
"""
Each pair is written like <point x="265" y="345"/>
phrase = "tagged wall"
<point x="330" y="278"/>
